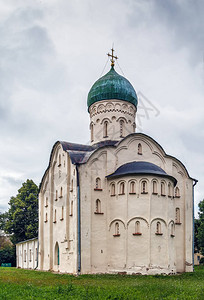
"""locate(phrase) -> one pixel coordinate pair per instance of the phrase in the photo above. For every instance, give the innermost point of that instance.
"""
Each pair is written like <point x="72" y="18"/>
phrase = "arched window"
<point x="57" y="254"/>
<point x="59" y="164"/>
<point x="98" y="183"/>
<point x="55" y="216"/>
<point x="92" y="132"/>
<point x="61" y="192"/>
<point x="158" y="228"/>
<point x="172" y="230"/>
<point x="169" y="189"/>
<point x="113" y="189"/>
<point x="154" y="187"/>
<point x="122" y="188"/>
<point x="117" y="229"/>
<point x="139" y="149"/>
<point x="143" y="187"/>
<point x="177" y="192"/>
<point x="137" y="227"/>
<point x="71" y="208"/>
<point x="56" y="195"/>
<point x="98" y="206"/>
<point x="62" y="214"/>
<point x="121" y="128"/>
<point x="177" y="219"/>
<point x="105" y="129"/>
<point x="162" y="189"/>
<point x="132" y="187"/>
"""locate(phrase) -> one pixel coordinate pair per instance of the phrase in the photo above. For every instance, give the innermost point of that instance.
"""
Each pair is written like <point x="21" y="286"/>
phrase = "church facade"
<point x="118" y="205"/>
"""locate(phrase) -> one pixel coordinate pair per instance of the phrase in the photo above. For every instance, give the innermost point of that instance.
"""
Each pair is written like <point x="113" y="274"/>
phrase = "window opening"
<point x="105" y="134"/>
<point x="121" y="128"/>
<point x="178" y="220"/>
<point x="122" y="188"/>
<point x="162" y="189"/>
<point x="139" y="149"/>
<point x="113" y="189"/>
<point x="144" y="187"/>
<point x="154" y="187"/>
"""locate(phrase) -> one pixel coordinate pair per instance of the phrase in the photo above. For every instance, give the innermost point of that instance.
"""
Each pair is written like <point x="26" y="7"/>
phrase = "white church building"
<point x="118" y="205"/>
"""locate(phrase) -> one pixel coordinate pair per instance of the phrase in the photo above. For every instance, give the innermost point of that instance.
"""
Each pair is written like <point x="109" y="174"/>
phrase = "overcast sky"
<point x="52" y="51"/>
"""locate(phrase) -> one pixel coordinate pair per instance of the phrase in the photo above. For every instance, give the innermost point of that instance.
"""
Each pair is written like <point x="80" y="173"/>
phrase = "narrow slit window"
<point x="144" y="187"/>
<point x="172" y="229"/>
<point x="36" y="254"/>
<point x="122" y="188"/>
<point x="71" y="187"/>
<point x="56" y="195"/>
<point x="55" y="216"/>
<point x="113" y="189"/>
<point x="105" y="133"/>
<point x="117" y="229"/>
<point x="137" y="227"/>
<point x="169" y="190"/>
<point x="46" y="218"/>
<point x="121" y="128"/>
<point x="92" y="133"/>
<point x="59" y="162"/>
<point x="162" y="189"/>
<point x="61" y="192"/>
<point x="177" y="192"/>
<point x="158" y="228"/>
<point x="139" y="149"/>
<point x="46" y="202"/>
<point x="71" y="208"/>
<point x="62" y="213"/>
<point x="154" y="187"/>
<point x="98" y="183"/>
<point x="178" y="219"/>
<point x="30" y="255"/>
<point x="132" y="187"/>
<point x="98" y="206"/>
<point x="24" y="255"/>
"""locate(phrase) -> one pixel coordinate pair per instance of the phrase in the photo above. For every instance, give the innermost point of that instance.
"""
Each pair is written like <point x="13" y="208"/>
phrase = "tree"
<point x="200" y="229"/>
<point x="3" y="219"/>
<point x="196" y="229"/>
<point x="22" y="222"/>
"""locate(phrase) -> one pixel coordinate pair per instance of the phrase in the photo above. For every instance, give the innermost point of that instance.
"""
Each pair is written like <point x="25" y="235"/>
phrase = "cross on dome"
<point x="112" y="57"/>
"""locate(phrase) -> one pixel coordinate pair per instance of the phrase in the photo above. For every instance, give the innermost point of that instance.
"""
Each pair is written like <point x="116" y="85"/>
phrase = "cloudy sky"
<point x="52" y="51"/>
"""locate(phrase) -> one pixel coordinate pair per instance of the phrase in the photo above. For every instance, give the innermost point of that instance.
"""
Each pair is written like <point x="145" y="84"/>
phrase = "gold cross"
<point x="112" y="58"/>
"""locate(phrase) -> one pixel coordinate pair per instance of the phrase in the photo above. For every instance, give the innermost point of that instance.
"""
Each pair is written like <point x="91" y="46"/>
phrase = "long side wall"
<point x="27" y="254"/>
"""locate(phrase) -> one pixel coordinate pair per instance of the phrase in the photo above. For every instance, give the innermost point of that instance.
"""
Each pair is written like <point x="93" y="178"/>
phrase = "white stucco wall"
<point x="27" y="254"/>
<point x="147" y="253"/>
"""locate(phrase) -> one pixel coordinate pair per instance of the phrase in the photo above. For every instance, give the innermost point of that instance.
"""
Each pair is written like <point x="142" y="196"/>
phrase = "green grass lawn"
<point x="28" y="284"/>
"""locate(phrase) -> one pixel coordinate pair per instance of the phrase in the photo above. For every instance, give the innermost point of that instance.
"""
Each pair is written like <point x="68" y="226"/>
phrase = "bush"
<point x="201" y="261"/>
<point x="8" y="255"/>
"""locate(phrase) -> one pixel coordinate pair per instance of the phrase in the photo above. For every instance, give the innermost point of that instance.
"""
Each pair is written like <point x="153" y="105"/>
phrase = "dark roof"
<point x="140" y="168"/>
<point x="79" y="153"/>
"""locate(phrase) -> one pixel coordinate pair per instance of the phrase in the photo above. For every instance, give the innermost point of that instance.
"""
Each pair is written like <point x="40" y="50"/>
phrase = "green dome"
<point x="112" y="86"/>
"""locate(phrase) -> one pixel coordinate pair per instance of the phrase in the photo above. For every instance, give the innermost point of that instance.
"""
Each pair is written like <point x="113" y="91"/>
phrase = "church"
<point x="118" y="205"/>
